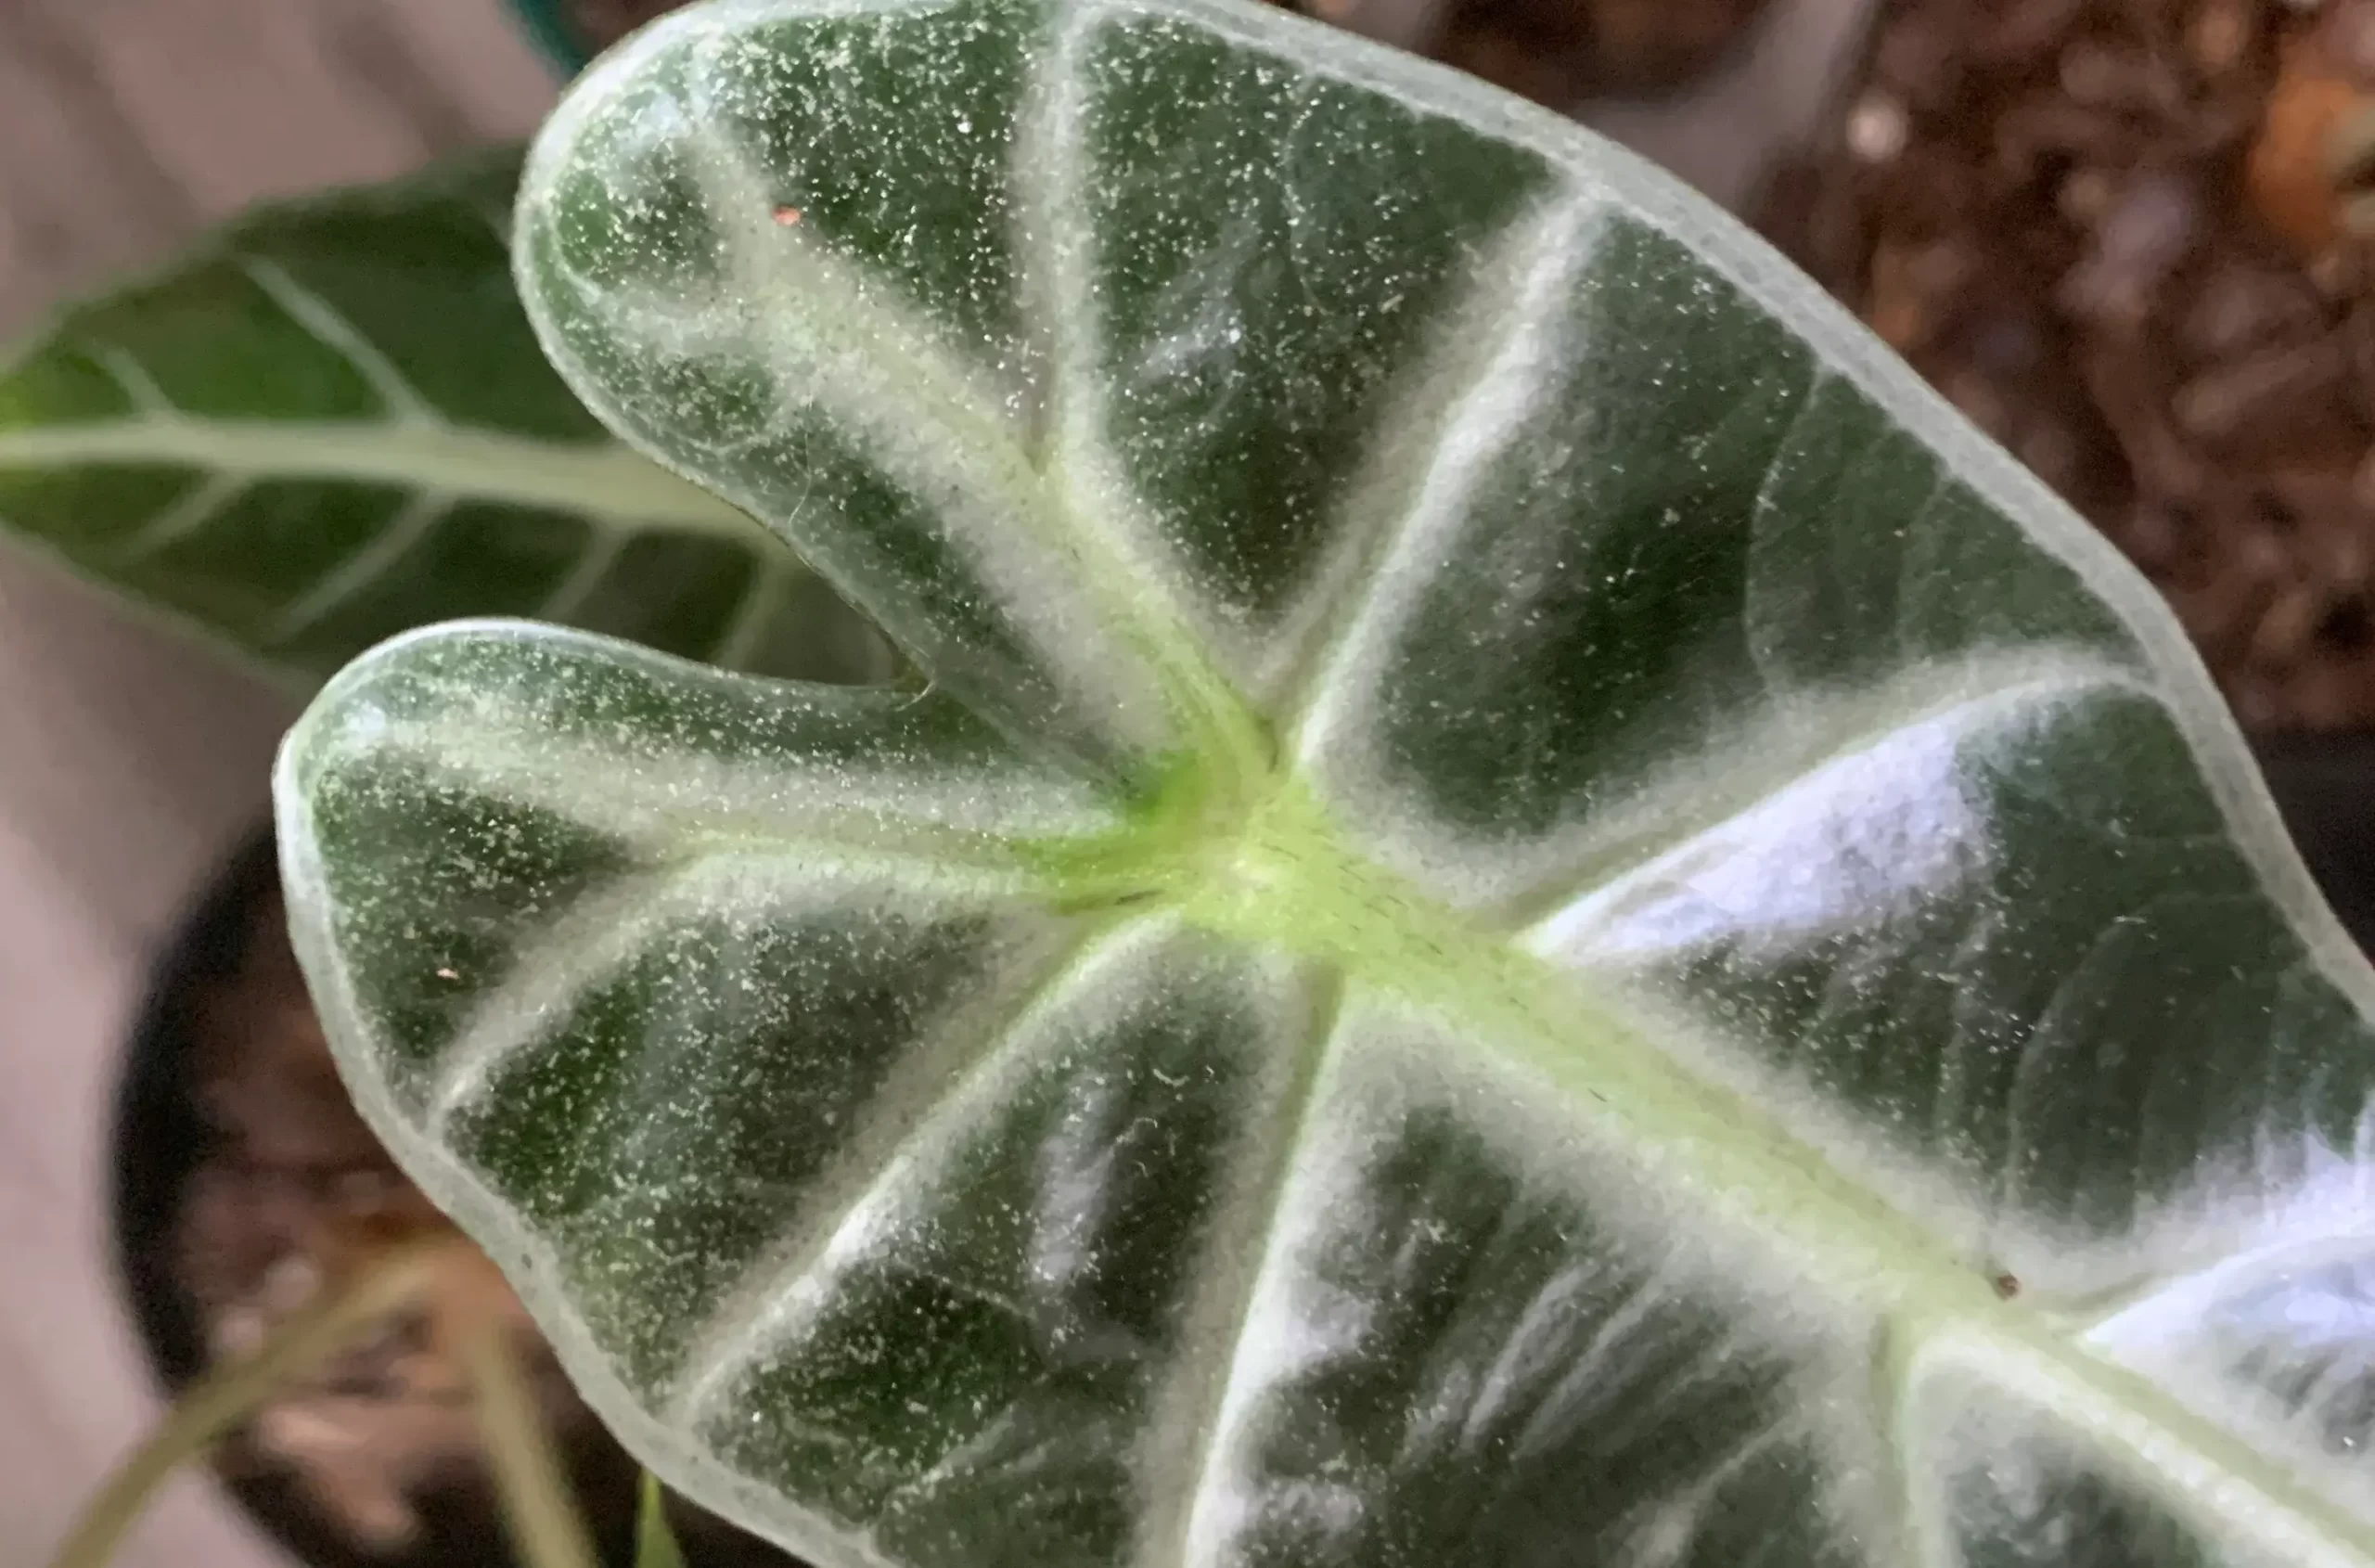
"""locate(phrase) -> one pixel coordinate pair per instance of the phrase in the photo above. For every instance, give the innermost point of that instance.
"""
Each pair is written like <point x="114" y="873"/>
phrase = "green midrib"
<point x="1286" y="879"/>
<point x="598" y="480"/>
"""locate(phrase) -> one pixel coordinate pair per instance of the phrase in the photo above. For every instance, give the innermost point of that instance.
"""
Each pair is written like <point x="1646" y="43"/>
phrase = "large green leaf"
<point x="331" y="423"/>
<point x="1539" y="916"/>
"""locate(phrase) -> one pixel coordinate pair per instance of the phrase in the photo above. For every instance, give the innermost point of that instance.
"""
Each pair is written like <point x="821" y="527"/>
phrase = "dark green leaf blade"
<point x="330" y="423"/>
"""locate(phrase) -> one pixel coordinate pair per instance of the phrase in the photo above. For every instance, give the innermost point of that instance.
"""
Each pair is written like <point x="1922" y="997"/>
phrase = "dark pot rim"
<point x="2324" y="785"/>
<point x="156" y="1114"/>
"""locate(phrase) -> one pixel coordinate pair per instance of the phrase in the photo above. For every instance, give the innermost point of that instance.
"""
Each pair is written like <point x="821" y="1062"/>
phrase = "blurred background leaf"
<point x="331" y="423"/>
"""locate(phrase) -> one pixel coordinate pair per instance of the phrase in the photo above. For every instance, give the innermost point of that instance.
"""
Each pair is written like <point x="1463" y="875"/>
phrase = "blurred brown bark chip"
<point x="2129" y="240"/>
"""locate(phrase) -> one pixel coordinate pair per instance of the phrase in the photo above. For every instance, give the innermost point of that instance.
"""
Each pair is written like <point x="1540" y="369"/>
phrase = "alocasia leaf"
<point x="1537" y="916"/>
<point x="332" y="423"/>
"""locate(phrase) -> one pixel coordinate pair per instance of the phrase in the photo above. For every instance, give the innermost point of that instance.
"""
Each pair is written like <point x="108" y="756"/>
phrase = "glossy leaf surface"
<point x="331" y="423"/>
<point x="1538" y="916"/>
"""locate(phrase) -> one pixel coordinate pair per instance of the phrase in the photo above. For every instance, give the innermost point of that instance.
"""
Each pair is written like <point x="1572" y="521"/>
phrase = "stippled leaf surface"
<point x="1538" y="915"/>
<point x="330" y="423"/>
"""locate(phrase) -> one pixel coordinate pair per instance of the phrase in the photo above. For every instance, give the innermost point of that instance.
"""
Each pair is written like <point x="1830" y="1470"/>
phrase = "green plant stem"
<point x="228" y="1396"/>
<point x="544" y="1522"/>
<point x="655" y="1543"/>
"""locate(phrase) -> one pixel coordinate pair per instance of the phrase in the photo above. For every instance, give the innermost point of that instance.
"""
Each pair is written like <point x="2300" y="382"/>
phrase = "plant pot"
<point x="199" y="1197"/>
